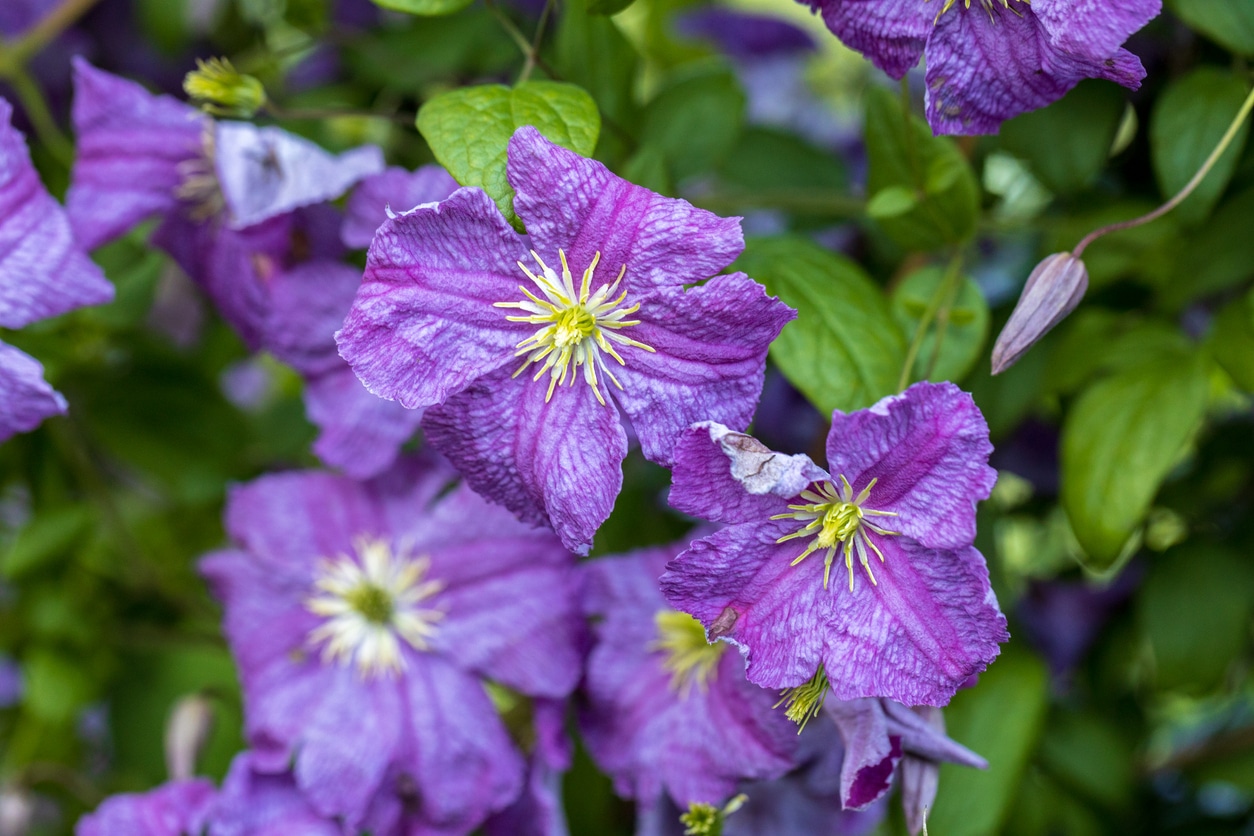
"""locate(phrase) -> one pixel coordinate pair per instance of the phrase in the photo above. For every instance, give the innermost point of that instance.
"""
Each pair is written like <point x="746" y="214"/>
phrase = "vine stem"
<point x="1180" y="196"/>
<point x="920" y="332"/>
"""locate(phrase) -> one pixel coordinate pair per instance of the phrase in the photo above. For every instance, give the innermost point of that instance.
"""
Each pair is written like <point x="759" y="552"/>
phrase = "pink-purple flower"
<point x="524" y="351"/>
<point x="864" y="572"/>
<point x="43" y="273"/>
<point x="365" y="618"/>
<point x="174" y="809"/>
<point x="990" y="60"/>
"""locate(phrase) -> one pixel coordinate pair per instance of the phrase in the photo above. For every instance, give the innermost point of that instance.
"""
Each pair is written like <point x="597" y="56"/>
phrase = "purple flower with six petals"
<point x="899" y="501"/>
<point x="523" y="361"/>
<point x="991" y="60"/>
<point x="364" y="618"/>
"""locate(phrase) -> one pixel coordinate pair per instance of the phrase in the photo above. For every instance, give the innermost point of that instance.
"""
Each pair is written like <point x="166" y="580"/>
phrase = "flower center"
<point x="199" y="188"/>
<point x="833" y="517"/>
<point x="369" y="604"/>
<point x="990" y="6"/>
<point x="690" y="658"/>
<point x="577" y="327"/>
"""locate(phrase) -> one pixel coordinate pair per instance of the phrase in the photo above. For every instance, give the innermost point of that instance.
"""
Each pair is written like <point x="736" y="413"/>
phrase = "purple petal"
<point x="423" y="325"/>
<point x="172" y="809"/>
<point x="1096" y="28"/>
<point x="710" y="343"/>
<point x="730" y="477"/>
<point x="890" y="33"/>
<point x="580" y="206"/>
<point x="871" y="754"/>
<point x="307" y="305"/>
<point x="392" y="190"/>
<point x="130" y="146"/>
<point x="253" y="803"/>
<point x="987" y="66"/>
<point x="558" y="462"/>
<point x="929" y="623"/>
<point x="26" y="397"/>
<point x="266" y="172"/>
<point x="42" y="270"/>
<point x="359" y="433"/>
<point x="928" y="448"/>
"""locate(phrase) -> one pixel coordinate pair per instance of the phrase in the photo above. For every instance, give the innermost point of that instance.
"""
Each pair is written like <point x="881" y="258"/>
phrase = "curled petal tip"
<point x="1052" y="291"/>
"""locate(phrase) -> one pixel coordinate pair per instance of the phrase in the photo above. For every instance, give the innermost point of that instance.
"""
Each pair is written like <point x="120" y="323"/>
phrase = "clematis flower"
<point x="255" y="803"/>
<point x="916" y="616"/>
<point x="990" y="60"/>
<point x="392" y="190"/>
<point x="538" y="810"/>
<point x="669" y="714"/>
<point x="174" y="809"/>
<point x="365" y="617"/>
<point x="523" y="361"/>
<point x="43" y="273"/>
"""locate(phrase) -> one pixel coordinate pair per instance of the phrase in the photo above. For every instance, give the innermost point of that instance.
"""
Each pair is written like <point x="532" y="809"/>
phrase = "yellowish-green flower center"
<point x="370" y="604"/>
<point x="691" y="660"/>
<point x="198" y="186"/>
<point x="834" y="518"/>
<point x="578" y="327"/>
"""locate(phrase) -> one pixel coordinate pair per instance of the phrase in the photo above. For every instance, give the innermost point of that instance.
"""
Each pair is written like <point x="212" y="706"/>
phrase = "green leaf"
<point x="962" y="324"/>
<point x="47" y="536"/>
<point x="1228" y="22"/>
<point x="1188" y="121"/>
<point x="55" y="687"/>
<point x="1066" y="144"/>
<point x="905" y="157"/>
<point x="608" y="7"/>
<point x="424" y="7"/>
<point x="1120" y="440"/>
<point x="767" y="160"/>
<point x="1090" y="757"/>
<point x="1194" y="609"/>
<point x="1232" y="341"/>
<point x="695" y="120"/>
<point x="469" y="129"/>
<point x="1000" y="719"/>
<point x="1215" y="256"/>
<point x="844" y="351"/>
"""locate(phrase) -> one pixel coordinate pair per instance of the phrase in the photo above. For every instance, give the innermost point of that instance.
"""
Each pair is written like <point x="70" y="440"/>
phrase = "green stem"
<point x="920" y="332"/>
<point x="533" y="51"/>
<point x="1180" y="196"/>
<point x="530" y="55"/>
<point x="40" y="116"/>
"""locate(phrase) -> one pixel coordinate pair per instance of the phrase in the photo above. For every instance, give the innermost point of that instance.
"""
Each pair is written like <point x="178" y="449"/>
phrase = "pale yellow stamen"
<point x="834" y="517"/>
<point x="370" y="604"/>
<point x="579" y="327"/>
<point x="690" y="658"/>
<point x="989" y="6"/>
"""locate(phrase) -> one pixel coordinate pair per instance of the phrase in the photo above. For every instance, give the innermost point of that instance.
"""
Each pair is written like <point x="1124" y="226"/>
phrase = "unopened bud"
<point x="186" y="733"/>
<point x="221" y="89"/>
<point x="1053" y="290"/>
<point x="17" y="811"/>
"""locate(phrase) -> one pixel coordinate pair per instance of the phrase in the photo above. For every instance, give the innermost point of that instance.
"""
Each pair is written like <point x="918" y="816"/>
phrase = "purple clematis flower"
<point x="43" y="273"/>
<point x="174" y="809"/>
<point x="897" y="509"/>
<point x="669" y="713"/>
<point x="524" y="361"/>
<point x="253" y="802"/>
<point x="364" y="618"/>
<point x="990" y="60"/>
<point x="538" y="811"/>
<point x="376" y="197"/>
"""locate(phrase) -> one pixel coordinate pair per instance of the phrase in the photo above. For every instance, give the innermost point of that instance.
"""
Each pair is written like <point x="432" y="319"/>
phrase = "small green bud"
<point x="805" y="700"/>
<point x="224" y="91"/>
<point x="706" y="819"/>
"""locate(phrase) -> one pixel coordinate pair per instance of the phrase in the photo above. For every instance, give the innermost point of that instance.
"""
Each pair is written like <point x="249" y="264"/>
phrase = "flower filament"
<point x="805" y="701"/>
<point x="370" y="603"/>
<point x="198" y="187"/>
<point x="834" y="517"/>
<point x="691" y="659"/>
<point x="578" y="327"/>
<point x="990" y="6"/>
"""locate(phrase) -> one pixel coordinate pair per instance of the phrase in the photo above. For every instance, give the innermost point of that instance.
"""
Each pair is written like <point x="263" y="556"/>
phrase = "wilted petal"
<point x="359" y="433"/>
<point x="558" y="462"/>
<point x="26" y="399"/>
<point x="42" y="270"/>
<point x="871" y="753"/>
<point x="265" y="172"/>
<point x="577" y="204"/>
<point x="730" y="477"/>
<point x="1053" y="290"/>
<point x="172" y="809"/>
<point x="928" y="449"/>
<point x="710" y="347"/>
<point x="983" y="69"/>
<point x="423" y="325"/>
<point x="890" y="33"/>
<point x="130" y="147"/>
<point x="395" y="190"/>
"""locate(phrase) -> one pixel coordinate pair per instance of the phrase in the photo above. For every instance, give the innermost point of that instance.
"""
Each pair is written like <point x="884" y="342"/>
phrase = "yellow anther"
<point x="690" y="658"/>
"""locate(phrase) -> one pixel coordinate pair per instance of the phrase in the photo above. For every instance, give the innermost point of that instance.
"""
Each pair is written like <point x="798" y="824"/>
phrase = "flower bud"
<point x="186" y="733"/>
<point x="920" y="777"/>
<point x="17" y="811"/>
<point x="221" y="89"/>
<point x="1053" y="290"/>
